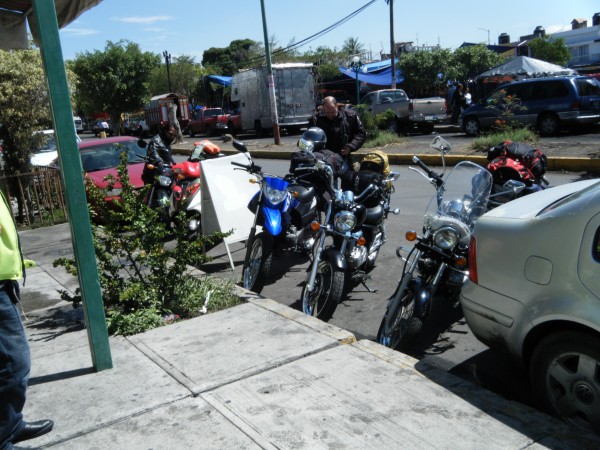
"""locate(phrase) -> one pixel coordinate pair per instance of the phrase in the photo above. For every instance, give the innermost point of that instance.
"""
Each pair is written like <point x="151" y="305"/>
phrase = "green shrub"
<point x="144" y="267"/>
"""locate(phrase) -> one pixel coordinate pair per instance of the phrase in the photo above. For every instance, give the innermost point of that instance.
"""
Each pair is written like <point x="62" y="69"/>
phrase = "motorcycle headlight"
<point x="275" y="196"/>
<point x="164" y="180"/>
<point x="445" y="238"/>
<point x="344" y="221"/>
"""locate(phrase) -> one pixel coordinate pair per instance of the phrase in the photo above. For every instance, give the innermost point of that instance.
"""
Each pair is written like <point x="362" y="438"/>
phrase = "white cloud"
<point x="156" y="29"/>
<point x="79" y="31"/>
<point x="146" y="20"/>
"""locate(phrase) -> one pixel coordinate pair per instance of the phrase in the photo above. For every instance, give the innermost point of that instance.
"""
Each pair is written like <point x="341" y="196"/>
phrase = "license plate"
<point x="431" y="117"/>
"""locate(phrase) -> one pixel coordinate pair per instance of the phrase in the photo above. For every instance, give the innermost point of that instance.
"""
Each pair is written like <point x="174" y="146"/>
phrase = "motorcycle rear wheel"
<point x="398" y="323"/>
<point x="327" y="293"/>
<point x="259" y="264"/>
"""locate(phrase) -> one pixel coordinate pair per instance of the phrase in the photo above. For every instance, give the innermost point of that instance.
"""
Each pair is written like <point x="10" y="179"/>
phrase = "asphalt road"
<point x="445" y="341"/>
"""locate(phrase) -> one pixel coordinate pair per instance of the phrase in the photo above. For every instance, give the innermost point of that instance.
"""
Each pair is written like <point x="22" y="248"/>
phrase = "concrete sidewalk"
<point x="259" y="375"/>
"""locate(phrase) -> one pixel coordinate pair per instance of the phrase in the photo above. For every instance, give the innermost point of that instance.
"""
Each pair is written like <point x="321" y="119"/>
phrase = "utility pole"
<point x="270" y="80"/>
<point x="168" y="64"/>
<point x="392" y="44"/>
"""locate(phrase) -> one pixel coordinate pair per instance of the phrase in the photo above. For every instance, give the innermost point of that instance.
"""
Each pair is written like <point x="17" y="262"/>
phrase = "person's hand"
<point x="345" y="151"/>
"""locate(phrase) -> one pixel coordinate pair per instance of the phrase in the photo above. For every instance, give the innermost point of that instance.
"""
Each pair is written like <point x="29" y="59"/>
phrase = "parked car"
<point x="101" y="157"/>
<point x="548" y="104"/>
<point x="534" y="292"/>
<point x="47" y="152"/>
<point x="78" y="124"/>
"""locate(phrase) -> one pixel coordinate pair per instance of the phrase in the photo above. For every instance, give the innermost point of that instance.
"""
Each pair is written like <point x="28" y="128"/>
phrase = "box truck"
<point x="294" y="97"/>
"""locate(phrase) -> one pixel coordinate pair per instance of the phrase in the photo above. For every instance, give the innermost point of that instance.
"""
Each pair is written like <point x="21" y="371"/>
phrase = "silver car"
<point x="534" y="291"/>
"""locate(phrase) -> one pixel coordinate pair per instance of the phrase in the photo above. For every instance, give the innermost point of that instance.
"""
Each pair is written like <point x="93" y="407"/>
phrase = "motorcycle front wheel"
<point x="399" y="323"/>
<point x="327" y="292"/>
<point x="259" y="263"/>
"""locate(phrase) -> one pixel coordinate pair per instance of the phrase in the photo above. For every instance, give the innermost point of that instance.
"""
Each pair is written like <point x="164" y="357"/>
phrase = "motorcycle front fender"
<point x="336" y="258"/>
<point x="272" y="220"/>
<point x="422" y="296"/>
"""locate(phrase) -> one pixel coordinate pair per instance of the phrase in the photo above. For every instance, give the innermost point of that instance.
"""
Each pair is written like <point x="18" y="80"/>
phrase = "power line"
<point x="311" y="38"/>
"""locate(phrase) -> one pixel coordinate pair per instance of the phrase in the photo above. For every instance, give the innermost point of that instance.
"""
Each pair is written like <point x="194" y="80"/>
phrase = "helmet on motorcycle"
<point x="313" y="139"/>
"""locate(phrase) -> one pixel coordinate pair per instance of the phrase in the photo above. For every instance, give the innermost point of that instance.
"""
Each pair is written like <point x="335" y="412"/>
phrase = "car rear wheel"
<point x="191" y="132"/>
<point x="565" y="375"/>
<point x="471" y="126"/>
<point x="548" y="124"/>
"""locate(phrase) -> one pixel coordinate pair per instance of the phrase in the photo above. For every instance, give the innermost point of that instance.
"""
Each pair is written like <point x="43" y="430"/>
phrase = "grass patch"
<point x="383" y="138"/>
<point x="488" y="140"/>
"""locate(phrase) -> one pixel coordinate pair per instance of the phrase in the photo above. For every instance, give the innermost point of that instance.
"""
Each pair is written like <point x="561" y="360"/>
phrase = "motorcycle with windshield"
<point x="356" y="232"/>
<point x="284" y="208"/>
<point x="438" y="259"/>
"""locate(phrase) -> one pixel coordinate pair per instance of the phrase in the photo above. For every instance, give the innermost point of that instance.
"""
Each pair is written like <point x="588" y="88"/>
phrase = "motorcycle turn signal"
<point x="411" y="235"/>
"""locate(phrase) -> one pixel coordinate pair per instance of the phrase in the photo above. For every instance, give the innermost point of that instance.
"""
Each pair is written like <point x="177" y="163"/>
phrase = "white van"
<point x="78" y="124"/>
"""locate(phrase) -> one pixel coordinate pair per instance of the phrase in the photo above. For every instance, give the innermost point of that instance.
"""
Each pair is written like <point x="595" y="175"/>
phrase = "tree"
<point x="468" y="62"/>
<point x="24" y="109"/>
<point x="186" y="76"/>
<point x="240" y="54"/>
<point x="425" y="72"/>
<point x="352" y="46"/>
<point x="554" y="51"/>
<point x="115" y="80"/>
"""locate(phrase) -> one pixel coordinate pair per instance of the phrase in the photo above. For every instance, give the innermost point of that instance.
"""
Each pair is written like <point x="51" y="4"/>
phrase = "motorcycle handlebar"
<point x="370" y="190"/>
<point x="252" y="168"/>
<point x="430" y="173"/>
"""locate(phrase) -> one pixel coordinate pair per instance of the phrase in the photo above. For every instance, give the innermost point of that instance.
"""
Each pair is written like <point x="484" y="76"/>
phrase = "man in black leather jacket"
<point x="159" y="150"/>
<point x="343" y="128"/>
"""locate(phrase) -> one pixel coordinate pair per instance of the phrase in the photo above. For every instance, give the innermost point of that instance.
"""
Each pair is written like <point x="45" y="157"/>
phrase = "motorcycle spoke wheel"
<point x="328" y="288"/>
<point x="399" y="322"/>
<point x="259" y="263"/>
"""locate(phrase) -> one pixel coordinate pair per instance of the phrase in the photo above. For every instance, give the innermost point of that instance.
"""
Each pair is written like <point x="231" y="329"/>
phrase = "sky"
<point x="189" y="27"/>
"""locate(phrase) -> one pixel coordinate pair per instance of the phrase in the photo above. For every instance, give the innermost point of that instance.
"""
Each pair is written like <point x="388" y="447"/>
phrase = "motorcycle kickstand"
<point x="363" y="280"/>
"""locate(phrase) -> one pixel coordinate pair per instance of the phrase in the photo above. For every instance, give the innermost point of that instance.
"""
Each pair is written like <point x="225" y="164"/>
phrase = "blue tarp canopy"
<point x="225" y="81"/>
<point x="383" y="78"/>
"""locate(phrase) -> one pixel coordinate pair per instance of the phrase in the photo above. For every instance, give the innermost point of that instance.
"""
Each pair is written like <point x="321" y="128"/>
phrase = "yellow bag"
<point x="376" y="161"/>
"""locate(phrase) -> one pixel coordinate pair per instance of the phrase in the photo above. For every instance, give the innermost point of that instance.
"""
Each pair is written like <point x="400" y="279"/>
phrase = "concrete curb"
<point x="555" y="163"/>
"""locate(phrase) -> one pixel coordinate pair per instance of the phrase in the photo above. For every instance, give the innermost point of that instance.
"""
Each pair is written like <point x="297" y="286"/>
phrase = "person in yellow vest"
<point x="15" y="361"/>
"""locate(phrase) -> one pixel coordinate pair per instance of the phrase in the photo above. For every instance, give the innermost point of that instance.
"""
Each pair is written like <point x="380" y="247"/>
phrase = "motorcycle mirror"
<point x="441" y="145"/>
<point x="514" y="186"/>
<point x="240" y="146"/>
<point x="393" y="176"/>
<point x="142" y="143"/>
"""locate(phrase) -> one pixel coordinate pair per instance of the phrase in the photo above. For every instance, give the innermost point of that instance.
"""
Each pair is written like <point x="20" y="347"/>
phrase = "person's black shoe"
<point x="33" y="429"/>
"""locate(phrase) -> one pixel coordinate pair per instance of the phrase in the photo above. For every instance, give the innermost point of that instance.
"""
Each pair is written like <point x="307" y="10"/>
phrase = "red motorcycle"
<point x="177" y="188"/>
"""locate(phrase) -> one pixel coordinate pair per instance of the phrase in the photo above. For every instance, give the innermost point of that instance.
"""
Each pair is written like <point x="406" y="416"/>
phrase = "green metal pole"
<point x="71" y="170"/>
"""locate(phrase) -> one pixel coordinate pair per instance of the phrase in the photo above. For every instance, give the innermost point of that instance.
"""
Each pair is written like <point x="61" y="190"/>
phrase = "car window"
<point x="106" y="156"/>
<point x="596" y="246"/>
<point x="589" y="86"/>
<point x="368" y="99"/>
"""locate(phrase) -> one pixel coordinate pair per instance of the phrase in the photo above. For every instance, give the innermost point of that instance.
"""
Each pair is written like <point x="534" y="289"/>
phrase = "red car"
<point x="100" y="157"/>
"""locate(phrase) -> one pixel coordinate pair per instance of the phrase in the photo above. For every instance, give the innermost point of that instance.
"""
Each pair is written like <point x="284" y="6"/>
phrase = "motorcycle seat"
<point x="303" y="194"/>
<point x="374" y="215"/>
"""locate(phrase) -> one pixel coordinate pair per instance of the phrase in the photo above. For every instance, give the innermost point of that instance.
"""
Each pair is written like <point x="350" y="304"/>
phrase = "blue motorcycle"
<point x="284" y="209"/>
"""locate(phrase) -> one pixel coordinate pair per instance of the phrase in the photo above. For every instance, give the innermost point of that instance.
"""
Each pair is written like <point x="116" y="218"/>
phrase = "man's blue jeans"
<point x="15" y="364"/>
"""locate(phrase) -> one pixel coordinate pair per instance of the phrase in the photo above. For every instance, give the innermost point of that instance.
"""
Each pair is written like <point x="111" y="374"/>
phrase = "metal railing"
<point x="37" y="198"/>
